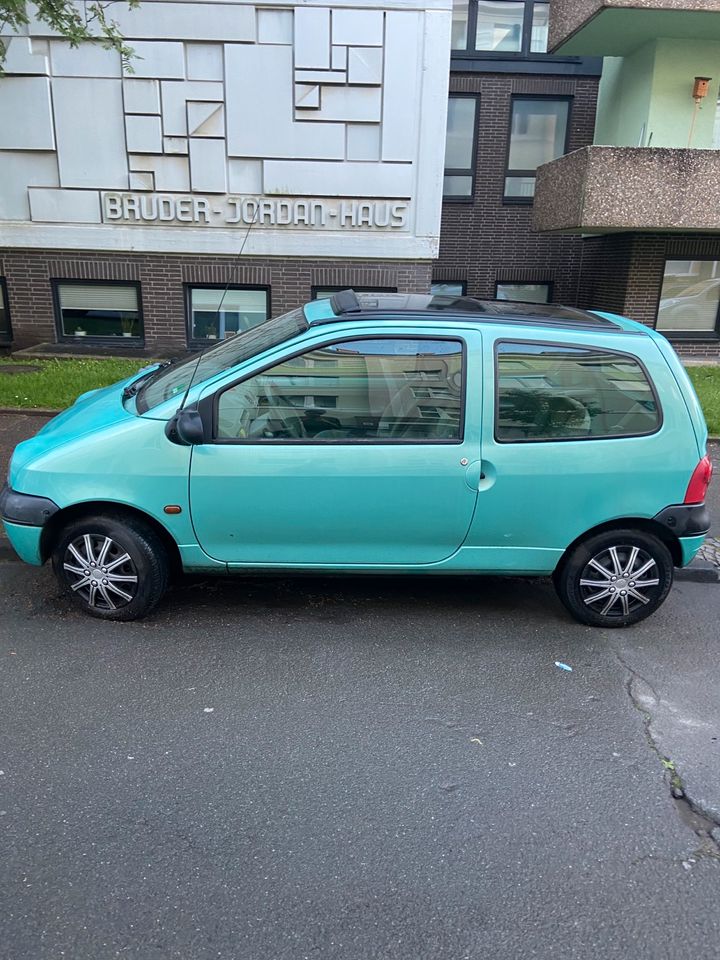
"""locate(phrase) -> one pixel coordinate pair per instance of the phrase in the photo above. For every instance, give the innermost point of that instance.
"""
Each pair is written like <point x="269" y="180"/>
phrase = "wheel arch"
<point x="51" y="530"/>
<point x="628" y="523"/>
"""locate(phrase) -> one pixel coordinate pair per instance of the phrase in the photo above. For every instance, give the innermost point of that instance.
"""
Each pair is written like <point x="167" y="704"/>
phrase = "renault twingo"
<point x="380" y="433"/>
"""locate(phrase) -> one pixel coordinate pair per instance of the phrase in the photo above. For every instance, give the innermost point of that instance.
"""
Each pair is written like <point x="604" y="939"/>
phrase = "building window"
<point x="98" y="310"/>
<point x="460" y="145"/>
<point x="5" y="329"/>
<point x="324" y="293"/>
<point x="549" y="392"/>
<point x="690" y="298"/>
<point x="441" y="289"/>
<point x="384" y="390"/>
<point x="538" y="134"/>
<point x="218" y="312"/>
<point x="524" y="292"/>
<point x="500" y="27"/>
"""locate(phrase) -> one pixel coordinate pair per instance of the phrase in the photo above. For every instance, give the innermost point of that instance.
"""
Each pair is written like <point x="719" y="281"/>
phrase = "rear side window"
<point x="549" y="392"/>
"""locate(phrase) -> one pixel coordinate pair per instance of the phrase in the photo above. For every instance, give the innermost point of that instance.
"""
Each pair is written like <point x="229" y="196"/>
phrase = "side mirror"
<point x="186" y="428"/>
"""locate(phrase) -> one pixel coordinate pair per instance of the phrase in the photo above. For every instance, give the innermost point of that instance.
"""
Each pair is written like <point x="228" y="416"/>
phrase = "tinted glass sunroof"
<point x="541" y="313"/>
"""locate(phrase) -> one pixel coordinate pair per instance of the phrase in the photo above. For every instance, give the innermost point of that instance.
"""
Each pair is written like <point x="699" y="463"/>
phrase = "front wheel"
<point x="615" y="579"/>
<point x="111" y="567"/>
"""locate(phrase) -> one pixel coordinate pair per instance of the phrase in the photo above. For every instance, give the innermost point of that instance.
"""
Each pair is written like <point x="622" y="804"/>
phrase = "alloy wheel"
<point x="619" y="580"/>
<point x="100" y="571"/>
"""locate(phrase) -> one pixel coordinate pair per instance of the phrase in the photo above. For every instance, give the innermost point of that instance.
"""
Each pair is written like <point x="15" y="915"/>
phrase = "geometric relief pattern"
<point x="311" y="86"/>
<point x="338" y="56"/>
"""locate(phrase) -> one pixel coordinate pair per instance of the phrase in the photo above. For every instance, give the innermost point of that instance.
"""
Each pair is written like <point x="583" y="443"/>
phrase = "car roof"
<point x="348" y="305"/>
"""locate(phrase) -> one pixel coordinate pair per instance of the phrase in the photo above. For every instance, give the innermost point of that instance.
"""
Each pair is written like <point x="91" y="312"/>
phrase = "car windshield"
<point x="173" y="381"/>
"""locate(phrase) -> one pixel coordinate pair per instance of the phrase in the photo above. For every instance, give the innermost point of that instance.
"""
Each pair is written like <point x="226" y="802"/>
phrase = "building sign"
<point x="146" y="209"/>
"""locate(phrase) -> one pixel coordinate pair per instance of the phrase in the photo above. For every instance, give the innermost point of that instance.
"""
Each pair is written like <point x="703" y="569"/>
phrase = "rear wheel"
<point x="111" y="567"/>
<point x="616" y="578"/>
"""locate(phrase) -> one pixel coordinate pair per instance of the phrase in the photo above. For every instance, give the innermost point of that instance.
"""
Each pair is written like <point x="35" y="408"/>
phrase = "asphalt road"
<point x="269" y="770"/>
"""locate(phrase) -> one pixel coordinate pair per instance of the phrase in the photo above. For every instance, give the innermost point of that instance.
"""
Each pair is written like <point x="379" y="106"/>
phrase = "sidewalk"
<point x="15" y="427"/>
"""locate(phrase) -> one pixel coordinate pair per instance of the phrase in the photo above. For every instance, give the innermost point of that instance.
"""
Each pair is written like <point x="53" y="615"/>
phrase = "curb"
<point x="699" y="571"/>
<point x="31" y="411"/>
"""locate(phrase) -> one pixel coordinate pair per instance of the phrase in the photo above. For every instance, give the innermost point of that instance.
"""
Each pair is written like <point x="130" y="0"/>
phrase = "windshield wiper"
<point x="131" y="390"/>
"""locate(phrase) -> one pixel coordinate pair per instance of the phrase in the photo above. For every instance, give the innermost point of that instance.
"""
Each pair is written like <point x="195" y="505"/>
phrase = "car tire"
<point x="111" y="567"/>
<point x="616" y="578"/>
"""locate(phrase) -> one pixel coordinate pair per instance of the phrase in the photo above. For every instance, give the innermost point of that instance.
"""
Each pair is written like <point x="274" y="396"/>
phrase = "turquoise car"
<point x="380" y="433"/>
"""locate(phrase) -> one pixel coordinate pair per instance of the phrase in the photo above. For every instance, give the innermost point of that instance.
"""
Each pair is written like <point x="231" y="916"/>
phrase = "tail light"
<point x="699" y="481"/>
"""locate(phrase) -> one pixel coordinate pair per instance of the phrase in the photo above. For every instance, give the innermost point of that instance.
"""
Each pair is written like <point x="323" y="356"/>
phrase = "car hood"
<point x="91" y="412"/>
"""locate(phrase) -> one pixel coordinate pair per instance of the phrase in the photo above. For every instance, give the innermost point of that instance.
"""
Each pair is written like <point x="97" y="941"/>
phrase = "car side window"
<point x="392" y="390"/>
<point x="547" y="392"/>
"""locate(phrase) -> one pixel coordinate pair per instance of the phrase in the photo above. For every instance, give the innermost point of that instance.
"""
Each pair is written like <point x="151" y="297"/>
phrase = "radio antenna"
<point x="231" y="280"/>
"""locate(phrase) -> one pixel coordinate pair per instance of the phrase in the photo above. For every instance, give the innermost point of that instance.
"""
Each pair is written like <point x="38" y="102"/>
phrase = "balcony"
<point x="615" y="28"/>
<point x="614" y="189"/>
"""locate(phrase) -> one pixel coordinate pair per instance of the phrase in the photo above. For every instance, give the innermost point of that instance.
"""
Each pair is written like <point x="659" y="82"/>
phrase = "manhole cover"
<point x="710" y="551"/>
<point x="9" y="370"/>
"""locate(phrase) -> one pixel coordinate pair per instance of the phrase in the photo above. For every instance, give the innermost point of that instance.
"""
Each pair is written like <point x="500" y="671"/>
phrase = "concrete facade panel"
<point x="18" y="170"/>
<point x="208" y="172"/>
<point x="90" y="128"/>
<point x="403" y="53"/>
<point x="159" y="59"/>
<point x="141" y="96"/>
<point x="312" y="37"/>
<point x="204" y="61"/>
<point x="357" y="27"/>
<point x="64" y="206"/>
<point x="90" y="60"/>
<point x="26" y="121"/>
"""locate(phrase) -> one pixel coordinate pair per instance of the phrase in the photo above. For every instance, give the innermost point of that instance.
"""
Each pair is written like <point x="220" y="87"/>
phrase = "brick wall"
<point x="485" y="241"/>
<point x="28" y="274"/>
<point x="623" y="273"/>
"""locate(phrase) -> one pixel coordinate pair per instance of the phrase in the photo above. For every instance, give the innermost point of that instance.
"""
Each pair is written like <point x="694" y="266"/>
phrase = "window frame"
<point x="678" y="336"/>
<point x="524" y="53"/>
<point x="570" y="346"/>
<point x="564" y="98"/>
<point x="209" y="406"/>
<point x="461" y="283"/>
<point x="188" y="287"/>
<point x="6" y="336"/>
<point x="360" y="288"/>
<point x="459" y="171"/>
<point x="57" y="282"/>
<point x="528" y="283"/>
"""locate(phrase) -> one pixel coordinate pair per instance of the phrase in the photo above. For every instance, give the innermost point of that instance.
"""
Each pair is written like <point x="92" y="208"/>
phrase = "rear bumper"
<point x="685" y="519"/>
<point x="689" y="547"/>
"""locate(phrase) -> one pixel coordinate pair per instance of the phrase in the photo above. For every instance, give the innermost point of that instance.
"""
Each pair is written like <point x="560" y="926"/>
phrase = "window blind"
<point x="240" y="301"/>
<point x="97" y="296"/>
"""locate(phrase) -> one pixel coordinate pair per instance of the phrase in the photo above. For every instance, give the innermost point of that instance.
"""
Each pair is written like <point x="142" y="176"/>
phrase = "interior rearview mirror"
<point x="186" y="427"/>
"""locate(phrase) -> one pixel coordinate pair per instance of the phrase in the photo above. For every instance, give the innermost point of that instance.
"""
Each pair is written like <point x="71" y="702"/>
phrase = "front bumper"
<point x="25" y="541"/>
<point x="24" y="509"/>
<point x="24" y="517"/>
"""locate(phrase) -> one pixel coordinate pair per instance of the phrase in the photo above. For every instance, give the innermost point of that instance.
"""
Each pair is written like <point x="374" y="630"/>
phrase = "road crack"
<point x="703" y="824"/>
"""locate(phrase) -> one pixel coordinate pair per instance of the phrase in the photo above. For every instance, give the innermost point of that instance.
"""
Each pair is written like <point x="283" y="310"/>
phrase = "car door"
<point x="354" y="451"/>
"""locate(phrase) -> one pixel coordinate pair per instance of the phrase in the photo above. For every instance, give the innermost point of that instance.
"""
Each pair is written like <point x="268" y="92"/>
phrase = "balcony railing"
<point x="613" y="189"/>
<point x="614" y="28"/>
